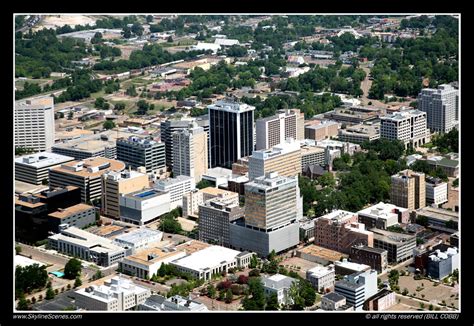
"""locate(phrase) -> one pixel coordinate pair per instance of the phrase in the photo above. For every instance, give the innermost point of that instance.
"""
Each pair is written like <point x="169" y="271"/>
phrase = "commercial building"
<point x="312" y="155"/>
<point x="31" y="212"/>
<point x="450" y="166"/>
<point x="441" y="264"/>
<point x="399" y="246"/>
<point x="231" y="132"/>
<point x="118" y="294"/>
<point x="383" y="215"/>
<point x="354" y="114"/>
<point x="345" y="267"/>
<point x="87" y="246"/>
<point x="339" y="230"/>
<point x="325" y="129"/>
<point x="358" y="287"/>
<point x="321" y="278"/>
<point x="280" y="285"/>
<point x="408" y="189"/>
<point x="334" y="301"/>
<point x="34" y="124"/>
<point x="146" y="263"/>
<point x="380" y="301"/>
<point x="80" y="216"/>
<point x="190" y="152"/>
<point x="85" y="174"/>
<point x="196" y="197"/>
<point x="135" y="152"/>
<point x="276" y="129"/>
<point x="116" y="183"/>
<point x="360" y="133"/>
<point x="168" y="127"/>
<point x="144" y="206"/>
<point x="34" y="168"/>
<point x="441" y="107"/>
<point x="215" y="216"/>
<point x="174" y="303"/>
<point x="407" y="126"/>
<point x="176" y="187"/>
<point x="376" y="258"/>
<point x="438" y="217"/>
<point x="436" y="191"/>
<point x="284" y="158"/>
<point x="138" y="239"/>
<point x="103" y="144"/>
<point x="306" y="229"/>
<point x="212" y="260"/>
<point x="320" y="255"/>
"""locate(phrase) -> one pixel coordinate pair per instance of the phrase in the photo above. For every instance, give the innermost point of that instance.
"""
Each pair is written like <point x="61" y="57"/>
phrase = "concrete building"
<point x="354" y="114"/>
<point x="80" y="216"/>
<point x="212" y="260"/>
<point x="334" y="301"/>
<point x="399" y="246"/>
<point x="284" y="158"/>
<point x="146" y="263"/>
<point x="118" y="294"/>
<point x="138" y="239"/>
<point x="408" y="189"/>
<point x="86" y="147"/>
<point x="450" y="166"/>
<point x="322" y="278"/>
<point x="115" y="184"/>
<point x="441" y="107"/>
<point x="276" y="129"/>
<point x="345" y="267"/>
<point x="407" y="126"/>
<point x="190" y="152"/>
<point x="215" y="216"/>
<point x="87" y="246"/>
<point x="339" y="230"/>
<point x="324" y="130"/>
<point x="380" y="301"/>
<point x="280" y="285"/>
<point x="436" y="191"/>
<point x="441" y="264"/>
<point x="383" y="215"/>
<point x="438" y="217"/>
<point x="306" y="229"/>
<point x="358" y="287"/>
<point x="174" y="303"/>
<point x="193" y="199"/>
<point x="136" y="152"/>
<point x="320" y="255"/>
<point x="176" y="187"/>
<point x="360" y="133"/>
<point x="144" y="206"/>
<point x="231" y="132"/>
<point x="85" y="174"/>
<point x="312" y="155"/>
<point x="34" y="168"/>
<point x="376" y="258"/>
<point x="34" y="124"/>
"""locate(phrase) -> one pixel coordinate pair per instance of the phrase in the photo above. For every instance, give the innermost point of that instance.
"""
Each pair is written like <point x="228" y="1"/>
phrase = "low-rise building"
<point x="383" y="216"/>
<point x="322" y="278"/>
<point x="326" y="129"/>
<point x="33" y="168"/>
<point x="399" y="246"/>
<point x="334" y="301"/>
<point x="138" y="239"/>
<point x="346" y="267"/>
<point x="450" y="166"/>
<point x="306" y="229"/>
<point x="381" y="301"/>
<point x="441" y="264"/>
<point x="360" y="133"/>
<point x="320" y="255"/>
<point x="358" y="287"/>
<point x="436" y="191"/>
<point x="376" y="258"/>
<point x="174" y="303"/>
<point x="438" y="217"/>
<point x="87" y="246"/>
<point x="311" y="155"/>
<point x="80" y="216"/>
<point x="144" y="206"/>
<point x="280" y="285"/>
<point x="196" y="197"/>
<point x="176" y="187"/>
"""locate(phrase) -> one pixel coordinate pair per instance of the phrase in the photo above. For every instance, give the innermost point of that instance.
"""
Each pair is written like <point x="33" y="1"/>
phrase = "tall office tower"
<point x="441" y="107"/>
<point x="231" y="132"/>
<point x="34" y="124"/>
<point x="169" y="126"/>
<point x="85" y="174"/>
<point x="215" y="216"/>
<point x="284" y="158"/>
<point x="135" y="152"/>
<point x="408" y="189"/>
<point x="116" y="183"/>
<point x="276" y="129"/>
<point x="406" y="126"/>
<point x="190" y="152"/>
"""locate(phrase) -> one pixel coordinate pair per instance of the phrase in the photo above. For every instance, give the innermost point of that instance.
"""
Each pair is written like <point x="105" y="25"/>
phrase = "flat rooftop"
<point x="352" y="266"/>
<point x="62" y="213"/>
<point x="438" y="213"/>
<point x="391" y="237"/>
<point x="320" y="271"/>
<point x="381" y="210"/>
<point x="192" y="246"/>
<point x="37" y="102"/>
<point x="207" y="258"/>
<point x="324" y="253"/>
<point x="86" y="239"/>
<point x="91" y="167"/>
<point x="215" y="191"/>
<point x="172" y="181"/>
<point x="338" y="215"/>
<point x="24" y="187"/>
<point x="138" y="235"/>
<point x="25" y="261"/>
<point x="144" y="194"/>
<point x="42" y="160"/>
<point x="158" y="255"/>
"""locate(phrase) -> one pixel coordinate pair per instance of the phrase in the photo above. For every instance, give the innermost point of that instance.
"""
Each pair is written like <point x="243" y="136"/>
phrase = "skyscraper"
<point x="407" y="126"/>
<point x="276" y="129"/>
<point x="34" y="124"/>
<point x="190" y="152"/>
<point x="441" y="107"/>
<point x="408" y="189"/>
<point x="231" y="132"/>
<point x="136" y="152"/>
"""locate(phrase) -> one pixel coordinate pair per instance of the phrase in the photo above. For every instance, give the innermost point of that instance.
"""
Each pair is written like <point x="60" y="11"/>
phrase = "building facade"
<point x="408" y="189"/>
<point x="176" y="187"/>
<point x="441" y="107"/>
<point x="144" y="206"/>
<point x="276" y="129"/>
<point x="321" y="278"/>
<point x="407" y="126"/>
<point x="325" y="129"/>
<point x="383" y="216"/>
<point x="376" y="258"/>
<point x="80" y="216"/>
<point x="399" y="246"/>
<point x="436" y="191"/>
<point x="358" y="287"/>
<point x="136" y="152"/>
<point x="34" y="168"/>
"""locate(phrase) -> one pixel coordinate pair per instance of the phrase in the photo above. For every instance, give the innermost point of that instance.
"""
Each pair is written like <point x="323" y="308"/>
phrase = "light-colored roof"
<point x="352" y="266"/>
<point x="207" y="258"/>
<point x="86" y="239"/>
<point x="25" y="261"/>
<point x="62" y="213"/>
<point x="142" y="256"/>
<point x="278" y="281"/>
<point x="320" y="271"/>
<point x="139" y="235"/>
<point x="93" y="162"/>
<point x="328" y="254"/>
<point x="43" y="159"/>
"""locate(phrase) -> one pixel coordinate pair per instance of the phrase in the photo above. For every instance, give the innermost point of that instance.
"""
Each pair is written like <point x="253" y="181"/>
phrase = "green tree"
<point x="211" y="291"/>
<point x="108" y="124"/>
<point x="72" y="269"/>
<point x="119" y="106"/>
<point x="77" y="282"/>
<point x="18" y="249"/>
<point x="272" y="302"/>
<point x="97" y="275"/>
<point x="228" y="296"/>
<point x="22" y="303"/>
<point x="169" y="39"/>
<point x="29" y="278"/>
<point x="50" y="293"/>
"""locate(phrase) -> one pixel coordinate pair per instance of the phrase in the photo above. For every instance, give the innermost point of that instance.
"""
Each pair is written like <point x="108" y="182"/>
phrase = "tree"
<point x="119" y="106"/>
<point x="72" y="269"/>
<point x="18" y="249"/>
<point x="242" y="279"/>
<point x="97" y="275"/>
<point x="22" y="303"/>
<point x="149" y="18"/>
<point x="29" y="278"/>
<point x="272" y="302"/>
<point x="211" y="291"/>
<point x="131" y="91"/>
<point x="228" y="296"/>
<point x="77" y="282"/>
<point x="108" y="124"/>
<point x="50" y="293"/>
<point x="204" y="184"/>
<point x="99" y="102"/>
<point x="169" y="39"/>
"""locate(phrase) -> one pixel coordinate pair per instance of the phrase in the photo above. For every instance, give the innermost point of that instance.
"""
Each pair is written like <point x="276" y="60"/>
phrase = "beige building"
<point x="190" y="152"/>
<point x="408" y="190"/>
<point x="116" y="183"/>
<point x="193" y="199"/>
<point x="284" y="158"/>
<point x="276" y="129"/>
<point x="311" y="155"/>
<point x="325" y="129"/>
<point x="85" y="174"/>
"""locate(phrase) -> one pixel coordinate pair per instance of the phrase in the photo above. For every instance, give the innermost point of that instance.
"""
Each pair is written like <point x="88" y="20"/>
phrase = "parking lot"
<point x="292" y="264"/>
<point x="59" y="303"/>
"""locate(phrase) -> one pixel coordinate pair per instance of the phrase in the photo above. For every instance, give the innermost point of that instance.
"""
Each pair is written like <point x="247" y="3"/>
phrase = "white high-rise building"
<point x="34" y="124"/>
<point x="441" y="107"/>
<point x="190" y="152"/>
<point x="276" y="129"/>
<point x="407" y="126"/>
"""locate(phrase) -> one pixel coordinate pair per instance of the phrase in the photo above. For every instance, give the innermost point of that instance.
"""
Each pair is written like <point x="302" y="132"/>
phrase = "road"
<point x="366" y="83"/>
